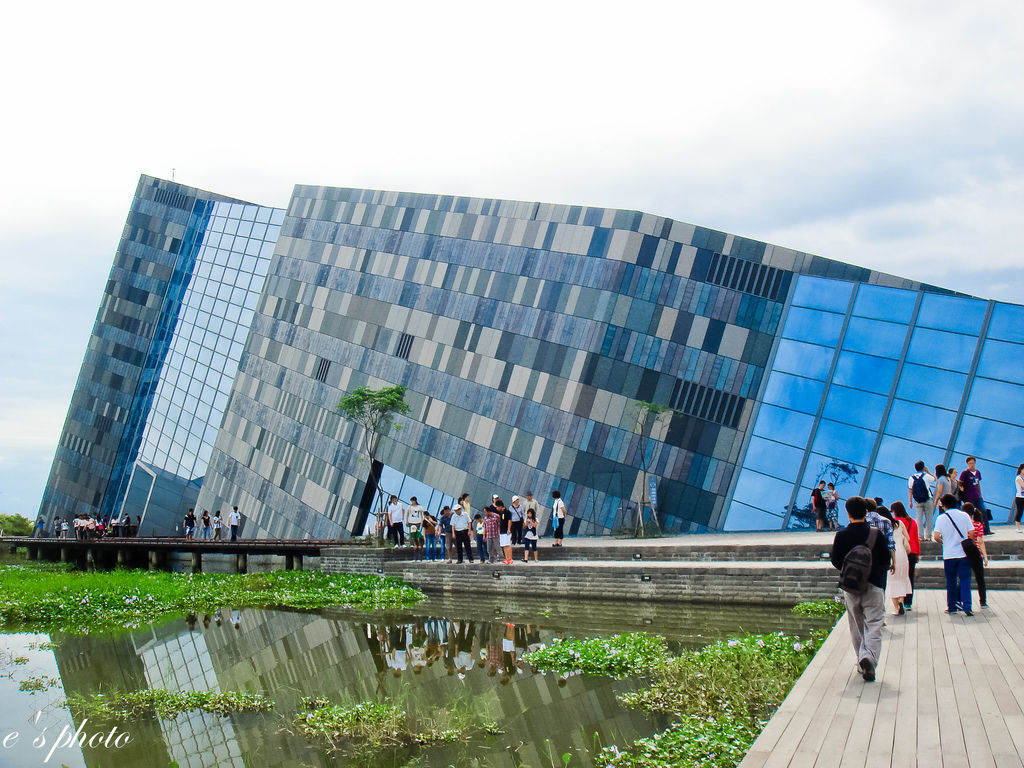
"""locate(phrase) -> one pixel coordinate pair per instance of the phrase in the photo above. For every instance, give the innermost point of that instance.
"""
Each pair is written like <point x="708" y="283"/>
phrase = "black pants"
<point x="909" y="599"/>
<point x="398" y="534"/>
<point x="978" y="568"/>
<point x="234" y="533"/>
<point x="462" y="542"/>
<point x="1018" y="508"/>
<point x="517" y="531"/>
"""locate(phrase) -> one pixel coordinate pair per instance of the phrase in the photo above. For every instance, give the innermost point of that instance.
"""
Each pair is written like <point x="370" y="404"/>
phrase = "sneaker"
<point x="951" y="612"/>
<point x="968" y="613"/>
<point x="984" y="605"/>
<point x="867" y="670"/>
<point x="908" y="608"/>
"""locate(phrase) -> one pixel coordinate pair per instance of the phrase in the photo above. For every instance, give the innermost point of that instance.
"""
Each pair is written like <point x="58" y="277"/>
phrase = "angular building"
<point x="526" y="333"/>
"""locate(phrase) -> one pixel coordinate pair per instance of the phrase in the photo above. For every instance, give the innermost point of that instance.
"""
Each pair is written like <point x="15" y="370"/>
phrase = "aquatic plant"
<point x="633" y="653"/>
<point x="128" y="705"/>
<point x="693" y="742"/>
<point x="827" y="609"/>
<point x="78" y="602"/>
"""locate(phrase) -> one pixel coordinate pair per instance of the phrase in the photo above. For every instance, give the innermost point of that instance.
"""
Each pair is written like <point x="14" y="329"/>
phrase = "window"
<point x="404" y="346"/>
<point x="745" y="276"/>
<point x="707" y="403"/>
<point x="321" y="369"/>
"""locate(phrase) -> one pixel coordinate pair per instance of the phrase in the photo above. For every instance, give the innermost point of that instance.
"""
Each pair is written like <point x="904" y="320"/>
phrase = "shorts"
<point x="819" y="514"/>
<point x="504" y="540"/>
<point x="190" y="530"/>
<point x="530" y="544"/>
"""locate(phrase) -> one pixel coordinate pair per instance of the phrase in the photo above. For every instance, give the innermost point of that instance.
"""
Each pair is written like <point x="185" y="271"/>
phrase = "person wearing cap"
<point x="518" y="513"/>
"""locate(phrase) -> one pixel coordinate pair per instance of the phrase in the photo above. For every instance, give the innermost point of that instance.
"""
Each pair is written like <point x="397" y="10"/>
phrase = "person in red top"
<point x="978" y="565"/>
<point x="900" y="512"/>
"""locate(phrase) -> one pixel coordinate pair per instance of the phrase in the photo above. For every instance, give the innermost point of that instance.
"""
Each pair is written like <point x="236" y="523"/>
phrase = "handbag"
<point x="970" y="546"/>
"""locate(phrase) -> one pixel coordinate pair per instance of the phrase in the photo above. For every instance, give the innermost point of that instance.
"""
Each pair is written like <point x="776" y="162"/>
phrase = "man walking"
<point x="919" y="496"/>
<point x="234" y="520"/>
<point x="952" y="527"/>
<point x="865" y="609"/>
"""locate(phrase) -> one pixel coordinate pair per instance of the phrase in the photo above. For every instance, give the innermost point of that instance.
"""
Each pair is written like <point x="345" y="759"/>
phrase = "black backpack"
<point x="853" y="576"/>
<point x="919" y="489"/>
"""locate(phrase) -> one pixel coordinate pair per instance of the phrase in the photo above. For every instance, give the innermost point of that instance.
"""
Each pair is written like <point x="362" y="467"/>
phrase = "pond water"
<point x="464" y="654"/>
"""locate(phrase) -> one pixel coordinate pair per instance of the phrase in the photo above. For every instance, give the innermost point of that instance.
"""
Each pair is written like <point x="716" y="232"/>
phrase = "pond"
<point x="454" y="654"/>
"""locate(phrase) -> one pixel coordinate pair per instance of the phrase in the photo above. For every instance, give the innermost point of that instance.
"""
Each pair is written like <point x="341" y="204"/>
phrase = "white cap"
<point x="515" y="499"/>
<point x="494" y="496"/>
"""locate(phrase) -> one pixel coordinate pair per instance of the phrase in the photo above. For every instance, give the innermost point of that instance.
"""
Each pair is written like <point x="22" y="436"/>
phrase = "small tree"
<point x="649" y="421"/>
<point x="834" y="471"/>
<point x="374" y="410"/>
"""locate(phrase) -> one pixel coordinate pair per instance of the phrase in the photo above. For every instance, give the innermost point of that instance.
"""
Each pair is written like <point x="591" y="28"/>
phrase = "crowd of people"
<point x="89" y="527"/>
<point x="211" y="527"/>
<point x="495" y="530"/>
<point x="878" y="551"/>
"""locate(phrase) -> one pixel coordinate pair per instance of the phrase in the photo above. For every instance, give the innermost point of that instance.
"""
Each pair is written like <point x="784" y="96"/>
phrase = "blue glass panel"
<point x="997" y="484"/>
<point x="931" y="385"/>
<point x="885" y="303"/>
<point x="855" y="406"/>
<point x="890" y="487"/>
<point x="897" y="456"/>
<point x="822" y="293"/>
<point x="771" y="458"/>
<point x="996" y="400"/>
<point x="846" y="476"/>
<point x="1007" y="322"/>
<point x="924" y="423"/>
<point x="803" y="359"/>
<point x="951" y="313"/>
<point x="794" y="392"/>
<point x="762" y="492"/>
<point x="942" y="350"/>
<point x="874" y="374"/>
<point x="813" y="325"/>
<point x="740" y="517"/>
<point x="843" y="442"/>
<point x="782" y="424"/>
<point x="991" y="439"/>
<point x="875" y="337"/>
<point x="1001" y="360"/>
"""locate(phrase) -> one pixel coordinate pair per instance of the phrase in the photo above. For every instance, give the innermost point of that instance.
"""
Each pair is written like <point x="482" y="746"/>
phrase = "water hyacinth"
<point x="75" y="602"/>
<point x="632" y="653"/>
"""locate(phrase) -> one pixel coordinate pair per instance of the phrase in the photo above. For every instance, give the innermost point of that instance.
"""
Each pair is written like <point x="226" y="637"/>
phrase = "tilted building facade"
<point x="526" y="333"/>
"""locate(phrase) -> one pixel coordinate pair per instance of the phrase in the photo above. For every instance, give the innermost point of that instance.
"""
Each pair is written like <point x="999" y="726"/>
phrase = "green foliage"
<point x="16" y="525"/>
<point x="825" y="609"/>
<point x="378" y="724"/>
<point x="38" y="683"/>
<point x="633" y="653"/>
<point x="128" y="705"/>
<point x="79" y="602"/>
<point x="694" y="742"/>
<point x="375" y="411"/>
<point x="744" y="677"/>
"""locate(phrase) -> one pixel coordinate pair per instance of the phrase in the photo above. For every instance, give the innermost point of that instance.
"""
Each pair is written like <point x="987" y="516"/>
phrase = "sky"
<point x="885" y="134"/>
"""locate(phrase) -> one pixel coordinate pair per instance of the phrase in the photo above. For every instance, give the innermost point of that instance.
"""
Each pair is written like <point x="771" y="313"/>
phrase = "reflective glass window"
<point x="784" y="425"/>
<point x="804" y="359"/>
<point x="813" y="325"/>
<point x="771" y="458"/>
<point x="846" y="476"/>
<point x="763" y="492"/>
<point x="996" y="400"/>
<point x="880" y="303"/>
<point x="854" y="406"/>
<point x="874" y="374"/>
<point x="890" y="487"/>
<point x="793" y="392"/>
<point x="843" y="441"/>
<point x="1001" y="360"/>
<point x="924" y="423"/>
<point x="822" y="293"/>
<point x="951" y="313"/>
<point x="931" y="385"/>
<point x="277" y="216"/>
<point x="897" y="456"/>
<point x="742" y="517"/>
<point x="940" y="349"/>
<point x="875" y="337"/>
<point x="994" y="440"/>
<point x="1007" y="322"/>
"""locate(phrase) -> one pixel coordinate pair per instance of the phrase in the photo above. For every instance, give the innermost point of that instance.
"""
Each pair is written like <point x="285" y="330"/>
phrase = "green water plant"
<point x="825" y="609"/>
<point x="633" y="653"/>
<point x="77" y="602"/>
<point x="128" y="705"/>
<point x="694" y="741"/>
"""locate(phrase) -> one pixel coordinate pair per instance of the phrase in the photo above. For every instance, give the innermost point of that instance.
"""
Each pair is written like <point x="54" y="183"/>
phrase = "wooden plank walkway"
<point x="949" y="694"/>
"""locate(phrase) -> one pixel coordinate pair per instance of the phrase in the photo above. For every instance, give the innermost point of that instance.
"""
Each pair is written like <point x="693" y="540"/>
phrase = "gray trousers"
<point x="923" y="514"/>
<point x="865" y="613"/>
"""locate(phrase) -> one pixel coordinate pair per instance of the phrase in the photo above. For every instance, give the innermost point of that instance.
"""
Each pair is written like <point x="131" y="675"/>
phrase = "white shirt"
<point x="929" y="480"/>
<point x="951" y="540"/>
<point x="1019" y="480"/>
<point x="396" y="513"/>
<point x="558" y="509"/>
<point x="415" y="516"/>
<point x="234" y="518"/>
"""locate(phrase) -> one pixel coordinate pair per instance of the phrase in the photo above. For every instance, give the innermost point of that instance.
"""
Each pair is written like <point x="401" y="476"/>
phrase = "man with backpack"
<point x="919" y="494"/>
<point x="861" y="553"/>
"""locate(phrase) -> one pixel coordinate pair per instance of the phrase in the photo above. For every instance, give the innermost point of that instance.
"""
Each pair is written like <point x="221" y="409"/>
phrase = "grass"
<point x="633" y="653"/>
<point x="121" y="705"/>
<point x="75" y="602"/>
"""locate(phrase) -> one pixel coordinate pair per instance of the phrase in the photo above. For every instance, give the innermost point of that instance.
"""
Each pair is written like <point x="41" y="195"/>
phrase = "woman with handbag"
<point x="899" y="512"/>
<point x="979" y="561"/>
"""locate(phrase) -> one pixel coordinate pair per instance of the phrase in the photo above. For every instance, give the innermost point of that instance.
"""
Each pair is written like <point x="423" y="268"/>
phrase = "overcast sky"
<point x="886" y="134"/>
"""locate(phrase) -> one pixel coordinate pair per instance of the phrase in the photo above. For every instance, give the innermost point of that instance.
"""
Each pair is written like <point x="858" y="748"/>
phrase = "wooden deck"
<point x="949" y="694"/>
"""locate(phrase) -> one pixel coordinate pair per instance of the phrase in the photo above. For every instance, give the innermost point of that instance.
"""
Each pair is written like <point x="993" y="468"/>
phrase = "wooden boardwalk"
<point x="949" y="694"/>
